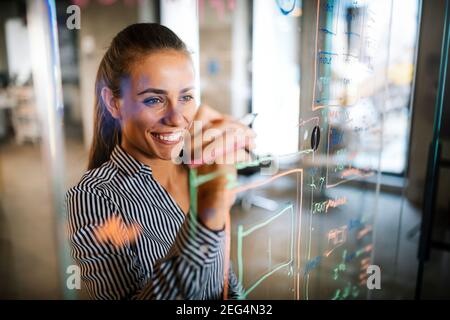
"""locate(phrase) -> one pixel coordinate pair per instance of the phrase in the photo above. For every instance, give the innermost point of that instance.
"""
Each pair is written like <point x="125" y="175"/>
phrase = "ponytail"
<point x="127" y="46"/>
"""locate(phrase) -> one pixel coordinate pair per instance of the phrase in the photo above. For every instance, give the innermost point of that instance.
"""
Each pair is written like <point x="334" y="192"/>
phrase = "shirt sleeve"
<point x="235" y="289"/>
<point x="112" y="271"/>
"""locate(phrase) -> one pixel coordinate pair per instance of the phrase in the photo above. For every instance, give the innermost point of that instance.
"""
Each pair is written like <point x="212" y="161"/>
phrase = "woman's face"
<point x="157" y="106"/>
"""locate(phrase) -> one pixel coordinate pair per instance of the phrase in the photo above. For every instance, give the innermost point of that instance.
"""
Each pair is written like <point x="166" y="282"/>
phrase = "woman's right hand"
<point x="222" y="142"/>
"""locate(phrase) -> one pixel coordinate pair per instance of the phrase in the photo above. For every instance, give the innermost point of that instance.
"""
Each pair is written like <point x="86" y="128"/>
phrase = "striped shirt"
<point x="164" y="260"/>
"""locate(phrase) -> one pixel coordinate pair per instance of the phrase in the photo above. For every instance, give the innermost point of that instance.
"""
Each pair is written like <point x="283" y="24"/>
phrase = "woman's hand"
<point x="218" y="143"/>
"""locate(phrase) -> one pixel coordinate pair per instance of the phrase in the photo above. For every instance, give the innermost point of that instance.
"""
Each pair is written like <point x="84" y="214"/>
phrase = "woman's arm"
<point x="186" y="272"/>
<point x="235" y="289"/>
<point x="111" y="269"/>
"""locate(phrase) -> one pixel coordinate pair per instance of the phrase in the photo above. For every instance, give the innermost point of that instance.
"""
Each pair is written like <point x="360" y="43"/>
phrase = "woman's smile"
<point x="168" y="138"/>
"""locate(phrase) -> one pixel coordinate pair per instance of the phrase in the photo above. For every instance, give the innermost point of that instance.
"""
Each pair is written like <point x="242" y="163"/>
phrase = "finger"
<point x="243" y="156"/>
<point x="232" y="158"/>
<point x="231" y="133"/>
<point x="206" y="114"/>
<point x="215" y="143"/>
<point x="240" y="159"/>
<point x="226" y="148"/>
<point x="225" y="125"/>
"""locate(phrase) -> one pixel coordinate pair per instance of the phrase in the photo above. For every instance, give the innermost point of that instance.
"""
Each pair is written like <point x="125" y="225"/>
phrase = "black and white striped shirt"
<point x="165" y="261"/>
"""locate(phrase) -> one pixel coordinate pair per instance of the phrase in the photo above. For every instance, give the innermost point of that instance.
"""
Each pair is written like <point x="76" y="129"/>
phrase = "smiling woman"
<point x="148" y="129"/>
<point x="129" y="222"/>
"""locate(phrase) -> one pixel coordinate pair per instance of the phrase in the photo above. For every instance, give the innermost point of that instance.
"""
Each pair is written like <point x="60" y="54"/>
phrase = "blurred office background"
<point x="232" y="35"/>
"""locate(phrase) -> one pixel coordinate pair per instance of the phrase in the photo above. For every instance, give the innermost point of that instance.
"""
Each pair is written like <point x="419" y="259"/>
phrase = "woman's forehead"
<point x="167" y="70"/>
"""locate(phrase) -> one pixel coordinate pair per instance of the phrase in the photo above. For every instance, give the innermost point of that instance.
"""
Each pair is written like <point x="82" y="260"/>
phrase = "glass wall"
<point x="49" y="55"/>
<point x="330" y="81"/>
<point x="324" y="78"/>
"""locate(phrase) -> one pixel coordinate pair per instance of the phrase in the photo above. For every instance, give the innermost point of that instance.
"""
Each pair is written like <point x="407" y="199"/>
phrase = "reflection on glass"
<point x="331" y="83"/>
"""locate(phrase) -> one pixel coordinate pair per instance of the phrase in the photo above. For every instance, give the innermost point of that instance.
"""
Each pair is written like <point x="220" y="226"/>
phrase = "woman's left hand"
<point x="213" y="135"/>
<point x="218" y="143"/>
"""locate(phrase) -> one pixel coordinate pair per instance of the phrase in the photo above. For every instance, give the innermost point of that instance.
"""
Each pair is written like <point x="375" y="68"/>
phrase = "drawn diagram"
<point x="295" y="213"/>
<point x="335" y="81"/>
<point x="243" y="235"/>
<point x="307" y="227"/>
<point x="340" y="158"/>
<point x="286" y="6"/>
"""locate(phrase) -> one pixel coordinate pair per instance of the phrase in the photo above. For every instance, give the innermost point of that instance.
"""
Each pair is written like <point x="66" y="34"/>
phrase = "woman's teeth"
<point x="169" y="137"/>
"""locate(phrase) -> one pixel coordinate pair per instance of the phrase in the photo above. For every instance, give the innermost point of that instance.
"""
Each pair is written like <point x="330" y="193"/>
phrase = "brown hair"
<point x="128" y="45"/>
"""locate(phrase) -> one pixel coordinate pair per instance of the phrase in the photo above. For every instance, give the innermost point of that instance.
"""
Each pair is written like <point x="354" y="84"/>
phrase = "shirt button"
<point x="204" y="248"/>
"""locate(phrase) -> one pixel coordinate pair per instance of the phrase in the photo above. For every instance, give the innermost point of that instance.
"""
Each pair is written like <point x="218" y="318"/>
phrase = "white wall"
<point x="18" y="50"/>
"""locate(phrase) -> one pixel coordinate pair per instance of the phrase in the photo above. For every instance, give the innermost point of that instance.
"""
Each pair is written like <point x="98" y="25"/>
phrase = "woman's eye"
<point x="152" y="101"/>
<point x="187" y="98"/>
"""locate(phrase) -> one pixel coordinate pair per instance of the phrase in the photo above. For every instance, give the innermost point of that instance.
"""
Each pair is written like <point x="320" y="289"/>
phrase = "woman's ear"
<point x="111" y="103"/>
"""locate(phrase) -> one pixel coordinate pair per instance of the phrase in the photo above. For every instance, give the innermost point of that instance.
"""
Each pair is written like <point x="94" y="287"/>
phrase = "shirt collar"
<point x="127" y="163"/>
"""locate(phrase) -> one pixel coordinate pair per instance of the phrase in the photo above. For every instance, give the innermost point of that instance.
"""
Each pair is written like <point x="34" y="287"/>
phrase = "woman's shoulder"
<point x="89" y="200"/>
<point x="94" y="180"/>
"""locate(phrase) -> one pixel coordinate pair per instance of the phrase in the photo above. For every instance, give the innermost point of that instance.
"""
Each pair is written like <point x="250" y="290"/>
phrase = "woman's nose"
<point x="173" y="117"/>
